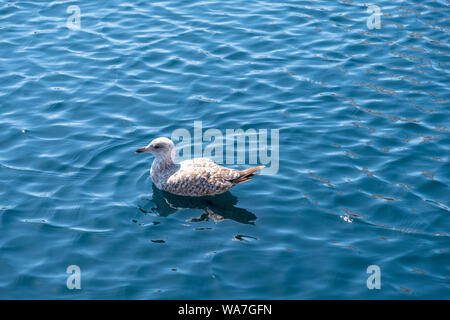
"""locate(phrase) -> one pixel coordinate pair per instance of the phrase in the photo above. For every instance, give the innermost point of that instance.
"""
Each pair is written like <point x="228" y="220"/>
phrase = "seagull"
<point x="196" y="177"/>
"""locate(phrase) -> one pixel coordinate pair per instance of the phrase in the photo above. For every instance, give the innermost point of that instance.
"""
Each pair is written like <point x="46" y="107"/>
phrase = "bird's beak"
<point x="140" y="150"/>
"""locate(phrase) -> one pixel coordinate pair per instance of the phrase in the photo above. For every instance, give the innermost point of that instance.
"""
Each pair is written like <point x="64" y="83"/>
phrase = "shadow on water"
<point x="219" y="207"/>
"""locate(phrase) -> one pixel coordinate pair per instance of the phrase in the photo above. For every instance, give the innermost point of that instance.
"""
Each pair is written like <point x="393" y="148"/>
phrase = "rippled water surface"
<point x="363" y="119"/>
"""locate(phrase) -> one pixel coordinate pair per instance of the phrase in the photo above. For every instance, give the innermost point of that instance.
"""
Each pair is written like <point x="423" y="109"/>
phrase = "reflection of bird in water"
<point x="197" y="177"/>
<point x="218" y="207"/>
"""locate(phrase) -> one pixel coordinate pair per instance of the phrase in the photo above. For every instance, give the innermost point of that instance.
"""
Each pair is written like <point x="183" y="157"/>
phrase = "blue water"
<point x="363" y="179"/>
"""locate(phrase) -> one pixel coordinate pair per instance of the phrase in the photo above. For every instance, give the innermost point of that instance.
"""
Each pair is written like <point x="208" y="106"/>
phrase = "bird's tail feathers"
<point x="247" y="174"/>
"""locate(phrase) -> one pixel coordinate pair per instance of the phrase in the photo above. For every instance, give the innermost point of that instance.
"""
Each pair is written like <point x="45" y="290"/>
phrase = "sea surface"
<point x="362" y="110"/>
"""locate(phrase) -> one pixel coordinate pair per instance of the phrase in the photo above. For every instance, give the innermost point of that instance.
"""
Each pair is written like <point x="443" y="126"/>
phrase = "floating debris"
<point x="368" y="172"/>
<point x="428" y="174"/>
<point x="353" y="213"/>
<point x="323" y="180"/>
<point x="377" y="196"/>
<point x="243" y="237"/>
<point x="346" y="218"/>
<point x="418" y="271"/>
<point x="405" y="290"/>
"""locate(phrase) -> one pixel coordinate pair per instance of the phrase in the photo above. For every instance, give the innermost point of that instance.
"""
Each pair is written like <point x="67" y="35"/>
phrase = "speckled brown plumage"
<point x="196" y="177"/>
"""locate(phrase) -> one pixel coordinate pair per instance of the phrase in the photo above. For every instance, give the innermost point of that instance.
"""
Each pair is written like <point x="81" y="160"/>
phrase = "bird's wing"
<point x="193" y="177"/>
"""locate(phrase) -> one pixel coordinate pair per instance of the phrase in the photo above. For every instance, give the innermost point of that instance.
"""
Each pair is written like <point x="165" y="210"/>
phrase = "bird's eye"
<point x="156" y="147"/>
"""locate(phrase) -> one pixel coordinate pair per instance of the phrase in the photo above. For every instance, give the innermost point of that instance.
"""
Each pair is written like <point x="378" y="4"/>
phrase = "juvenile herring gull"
<point x="197" y="177"/>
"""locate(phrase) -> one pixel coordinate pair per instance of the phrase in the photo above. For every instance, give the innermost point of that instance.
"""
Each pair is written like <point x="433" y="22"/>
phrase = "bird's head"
<point x="160" y="148"/>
